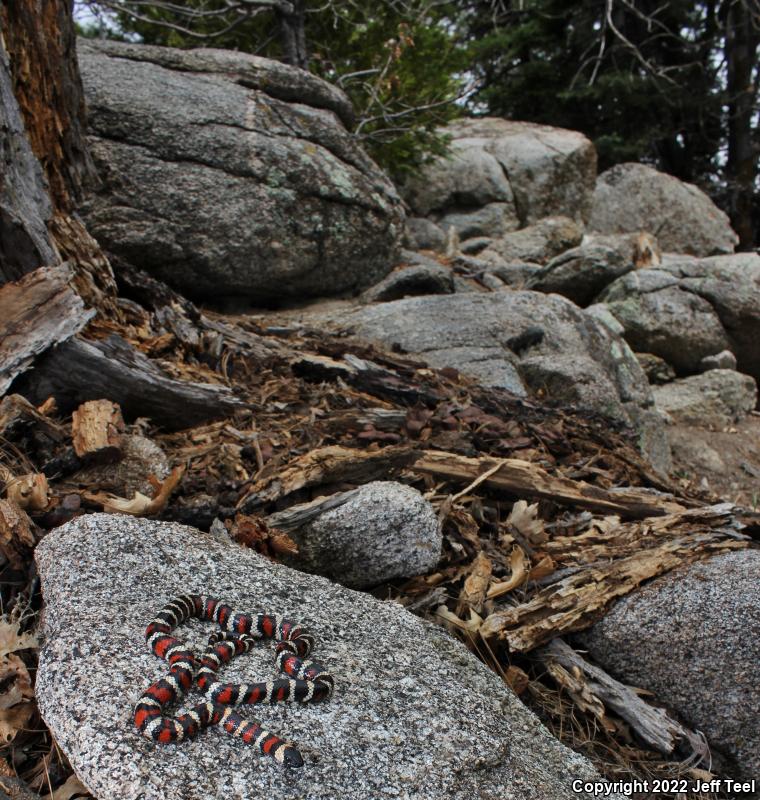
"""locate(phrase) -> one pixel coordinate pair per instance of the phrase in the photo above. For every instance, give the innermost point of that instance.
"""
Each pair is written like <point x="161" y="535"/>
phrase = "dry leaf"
<point x="544" y="567"/>
<point x="11" y="640"/>
<point x="471" y="626"/>
<point x="72" y="788"/>
<point x="473" y="592"/>
<point x="140" y="505"/>
<point x="14" y="720"/>
<point x="519" y="563"/>
<point x="524" y="519"/>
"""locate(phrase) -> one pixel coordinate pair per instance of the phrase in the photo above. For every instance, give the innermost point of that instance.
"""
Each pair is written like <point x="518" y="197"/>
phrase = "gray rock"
<point x="141" y="458"/>
<point x="384" y="530"/>
<point x="715" y="398"/>
<point x="578" y="361"/>
<point x="491" y="220"/>
<point x="414" y="715"/>
<point x="731" y="284"/>
<point x="723" y="360"/>
<point x="536" y="170"/>
<point x="634" y="197"/>
<point x="410" y="281"/>
<point x="514" y="273"/>
<point x="226" y="174"/>
<point x="657" y="370"/>
<point x="693" y="638"/>
<point x="661" y="317"/>
<point x="692" y="308"/>
<point x="537" y="243"/>
<point x="476" y="245"/>
<point x="423" y="234"/>
<point x="581" y="273"/>
<point x="602" y="314"/>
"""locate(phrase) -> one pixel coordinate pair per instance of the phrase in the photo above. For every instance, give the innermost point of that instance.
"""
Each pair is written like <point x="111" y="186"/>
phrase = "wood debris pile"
<point x="548" y="514"/>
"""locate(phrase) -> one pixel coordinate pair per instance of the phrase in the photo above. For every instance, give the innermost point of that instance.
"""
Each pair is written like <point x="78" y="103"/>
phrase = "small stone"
<point x="386" y="530"/>
<point x="723" y="360"/>
<point x="657" y="370"/>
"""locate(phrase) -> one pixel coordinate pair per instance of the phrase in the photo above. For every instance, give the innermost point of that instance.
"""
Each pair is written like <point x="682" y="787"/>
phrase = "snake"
<point x="306" y="681"/>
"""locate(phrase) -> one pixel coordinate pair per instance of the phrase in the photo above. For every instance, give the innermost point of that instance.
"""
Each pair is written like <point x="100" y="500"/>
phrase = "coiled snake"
<point x="307" y="682"/>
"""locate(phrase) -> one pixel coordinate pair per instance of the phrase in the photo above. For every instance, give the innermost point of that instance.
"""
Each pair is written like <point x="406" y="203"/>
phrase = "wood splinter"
<point x="97" y="427"/>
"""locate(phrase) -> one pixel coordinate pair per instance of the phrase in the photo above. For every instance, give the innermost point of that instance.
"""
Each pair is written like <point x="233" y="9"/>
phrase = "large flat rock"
<point x="414" y="714"/>
<point x="227" y="175"/>
<point x="573" y="359"/>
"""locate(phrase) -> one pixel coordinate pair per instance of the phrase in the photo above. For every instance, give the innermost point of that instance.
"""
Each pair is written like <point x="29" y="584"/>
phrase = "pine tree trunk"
<point x="293" y="35"/>
<point x="742" y="40"/>
<point x="39" y="36"/>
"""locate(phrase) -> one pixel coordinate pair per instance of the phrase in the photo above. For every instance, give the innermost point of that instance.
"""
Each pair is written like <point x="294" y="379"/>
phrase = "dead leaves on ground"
<point x="16" y="691"/>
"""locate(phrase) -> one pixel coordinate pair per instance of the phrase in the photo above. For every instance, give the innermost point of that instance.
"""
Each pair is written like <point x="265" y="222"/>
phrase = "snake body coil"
<point x="307" y="681"/>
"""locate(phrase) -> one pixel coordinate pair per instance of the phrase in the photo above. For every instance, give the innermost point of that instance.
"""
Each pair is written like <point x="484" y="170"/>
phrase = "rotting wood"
<point x="587" y="681"/>
<point x="29" y="492"/>
<point x="16" y="537"/>
<point x="36" y="312"/>
<point x="576" y="601"/>
<point x="525" y="478"/>
<point x="327" y="465"/>
<point x="299" y="515"/>
<point x="16" y="413"/>
<point x="96" y="430"/>
<point x="82" y="370"/>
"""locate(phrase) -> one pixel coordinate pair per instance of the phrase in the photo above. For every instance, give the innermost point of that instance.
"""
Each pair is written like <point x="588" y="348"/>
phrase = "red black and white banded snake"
<point x="307" y="681"/>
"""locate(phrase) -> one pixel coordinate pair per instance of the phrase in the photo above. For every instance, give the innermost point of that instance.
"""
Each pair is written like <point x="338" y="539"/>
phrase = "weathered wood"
<point x="41" y="41"/>
<point x="96" y="430"/>
<point x="18" y="414"/>
<point x="573" y="603"/>
<point x="29" y="492"/>
<point x="526" y="479"/>
<point x="299" y="515"/>
<point x="587" y="682"/>
<point x="82" y="370"/>
<point x="25" y="208"/>
<point x="16" y="537"/>
<point x="36" y="312"/>
<point x="327" y="465"/>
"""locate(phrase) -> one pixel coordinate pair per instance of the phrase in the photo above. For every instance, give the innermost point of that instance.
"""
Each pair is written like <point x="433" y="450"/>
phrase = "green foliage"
<point x="559" y="63"/>
<point x="399" y="63"/>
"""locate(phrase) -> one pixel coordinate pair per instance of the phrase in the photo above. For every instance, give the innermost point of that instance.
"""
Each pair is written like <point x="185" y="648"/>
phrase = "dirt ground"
<point x="725" y="462"/>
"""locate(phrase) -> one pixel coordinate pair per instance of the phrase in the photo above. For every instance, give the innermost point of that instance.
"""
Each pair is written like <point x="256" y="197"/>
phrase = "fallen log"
<point x="527" y="479"/>
<point x="588" y="683"/>
<point x="82" y="370"/>
<point x="577" y="600"/>
<point x="327" y="465"/>
<point x="96" y="431"/>
<point x="37" y="312"/>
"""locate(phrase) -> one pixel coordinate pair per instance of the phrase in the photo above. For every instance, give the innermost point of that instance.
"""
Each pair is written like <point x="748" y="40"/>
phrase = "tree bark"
<point x="41" y="43"/>
<point x="293" y="36"/>
<point x="39" y="227"/>
<point x="741" y="43"/>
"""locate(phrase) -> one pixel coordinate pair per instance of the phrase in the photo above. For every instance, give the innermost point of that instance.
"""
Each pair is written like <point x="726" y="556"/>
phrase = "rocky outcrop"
<point x="688" y="309"/>
<point x="380" y="531"/>
<point x="634" y="197"/>
<point x="414" y="713"/>
<point x="581" y="272"/>
<point x="716" y="398"/>
<point x="224" y="174"/>
<point x="502" y="175"/>
<point x="522" y="341"/>
<point x="692" y="637"/>
<point x="537" y="243"/>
